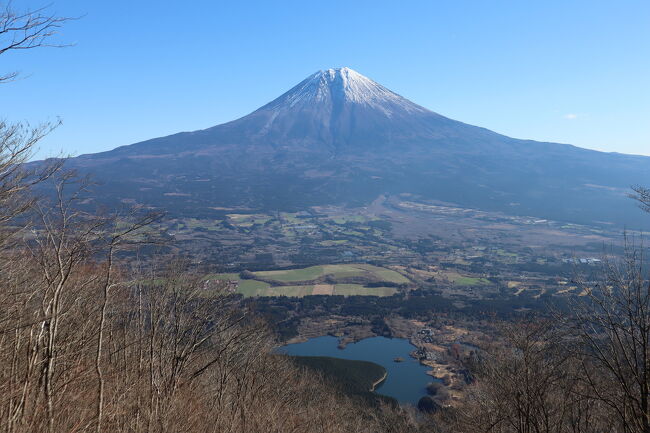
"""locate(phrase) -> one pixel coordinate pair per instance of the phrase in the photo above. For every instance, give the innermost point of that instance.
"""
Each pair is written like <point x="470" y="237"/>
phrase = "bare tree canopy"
<point x="613" y="322"/>
<point x="642" y="195"/>
<point x="24" y="30"/>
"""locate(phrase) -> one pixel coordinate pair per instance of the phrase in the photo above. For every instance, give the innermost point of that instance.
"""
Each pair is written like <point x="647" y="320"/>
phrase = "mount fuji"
<point x="340" y="138"/>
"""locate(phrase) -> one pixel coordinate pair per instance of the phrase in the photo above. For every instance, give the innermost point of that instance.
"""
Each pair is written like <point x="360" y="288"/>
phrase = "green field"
<point x="470" y="281"/>
<point x="462" y="280"/>
<point x="331" y="243"/>
<point x="386" y="274"/>
<point x="247" y="288"/>
<point x="340" y="271"/>
<point x="252" y="287"/>
<point x="304" y="274"/>
<point x="291" y="291"/>
<point x="307" y="276"/>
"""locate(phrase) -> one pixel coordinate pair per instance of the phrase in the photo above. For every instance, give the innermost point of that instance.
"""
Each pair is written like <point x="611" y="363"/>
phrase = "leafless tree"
<point x="613" y="323"/>
<point x="642" y="195"/>
<point x="22" y="30"/>
<point x="16" y="147"/>
<point x="26" y="29"/>
<point x="528" y="383"/>
<point x="93" y="339"/>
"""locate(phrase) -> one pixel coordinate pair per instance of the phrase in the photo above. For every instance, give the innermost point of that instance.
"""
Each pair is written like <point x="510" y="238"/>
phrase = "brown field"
<point x="323" y="289"/>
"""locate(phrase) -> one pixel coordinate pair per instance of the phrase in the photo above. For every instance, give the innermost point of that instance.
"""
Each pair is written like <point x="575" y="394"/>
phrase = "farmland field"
<point x="335" y="271"/>
<point x="463" y="280"/>
<point x="304" y="274"/>
<point x="252" y="288"/>
<point x="278" y="283"/>
<point x="470" y="281"/>
<point x="359" y="290"/>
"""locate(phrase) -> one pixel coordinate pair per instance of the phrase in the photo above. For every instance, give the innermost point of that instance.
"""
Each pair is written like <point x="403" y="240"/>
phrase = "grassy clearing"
<point x="470" y="281"/>
<point x="290" y="291"/>
<point x="331" y="243"/>
<point x="312" y="273"/>
<point x="386" y="274"/>
<point x="343" y="271"/>
<point x="342" y="219"/>
<point x="250" y="288"/>
<point x="304" y="274"/>
<point x="462" y="280"/>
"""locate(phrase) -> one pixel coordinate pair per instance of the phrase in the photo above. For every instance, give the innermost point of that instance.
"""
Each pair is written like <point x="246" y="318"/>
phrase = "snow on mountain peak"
<point x="345" y="85"/>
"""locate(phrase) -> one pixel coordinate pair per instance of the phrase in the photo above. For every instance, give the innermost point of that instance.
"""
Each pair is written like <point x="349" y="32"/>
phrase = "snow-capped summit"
<point x="341" y="85"/>
<point x="339" y="108"/>
<point x="339" y="138"/>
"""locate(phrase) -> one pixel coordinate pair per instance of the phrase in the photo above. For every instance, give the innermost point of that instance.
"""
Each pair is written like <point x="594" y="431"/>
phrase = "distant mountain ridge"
<point x="338" y="137"/>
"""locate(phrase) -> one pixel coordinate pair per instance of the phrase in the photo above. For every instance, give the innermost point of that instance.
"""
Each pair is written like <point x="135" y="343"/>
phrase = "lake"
<point x="406" y="381"/>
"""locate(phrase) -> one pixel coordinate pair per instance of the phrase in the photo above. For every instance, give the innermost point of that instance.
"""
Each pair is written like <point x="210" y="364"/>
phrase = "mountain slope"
<point x="340" y="138"/>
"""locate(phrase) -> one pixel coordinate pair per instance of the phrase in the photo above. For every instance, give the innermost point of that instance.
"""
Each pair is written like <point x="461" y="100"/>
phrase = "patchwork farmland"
<point x="342" y="280"/>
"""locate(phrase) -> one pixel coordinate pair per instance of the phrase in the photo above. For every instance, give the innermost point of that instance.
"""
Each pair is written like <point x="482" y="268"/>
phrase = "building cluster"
<point x="426" y="335"/>
<point x="423" y="354"/>
<point x="583" y="260"/>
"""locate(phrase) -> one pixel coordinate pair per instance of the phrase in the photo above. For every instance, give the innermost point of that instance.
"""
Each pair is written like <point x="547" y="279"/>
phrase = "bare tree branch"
<point x="25" y="30"/>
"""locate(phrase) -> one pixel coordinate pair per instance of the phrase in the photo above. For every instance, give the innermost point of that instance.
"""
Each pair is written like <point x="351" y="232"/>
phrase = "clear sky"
<point x="574" y="71"/>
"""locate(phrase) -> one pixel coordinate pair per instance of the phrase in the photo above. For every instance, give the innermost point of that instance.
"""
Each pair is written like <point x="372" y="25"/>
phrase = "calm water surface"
<point x="406" y="380"/>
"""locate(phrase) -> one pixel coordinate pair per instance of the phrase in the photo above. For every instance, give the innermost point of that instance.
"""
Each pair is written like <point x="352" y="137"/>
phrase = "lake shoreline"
<point x="379" y="382"/>
<point x="404" y="381"/>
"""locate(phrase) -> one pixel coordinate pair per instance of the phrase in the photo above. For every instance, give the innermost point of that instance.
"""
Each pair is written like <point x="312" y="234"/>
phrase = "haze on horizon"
<point x="584" y="83"/>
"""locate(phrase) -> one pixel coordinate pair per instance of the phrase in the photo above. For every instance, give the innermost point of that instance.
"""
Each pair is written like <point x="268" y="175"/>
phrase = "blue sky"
<point x="568" y="71"/>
